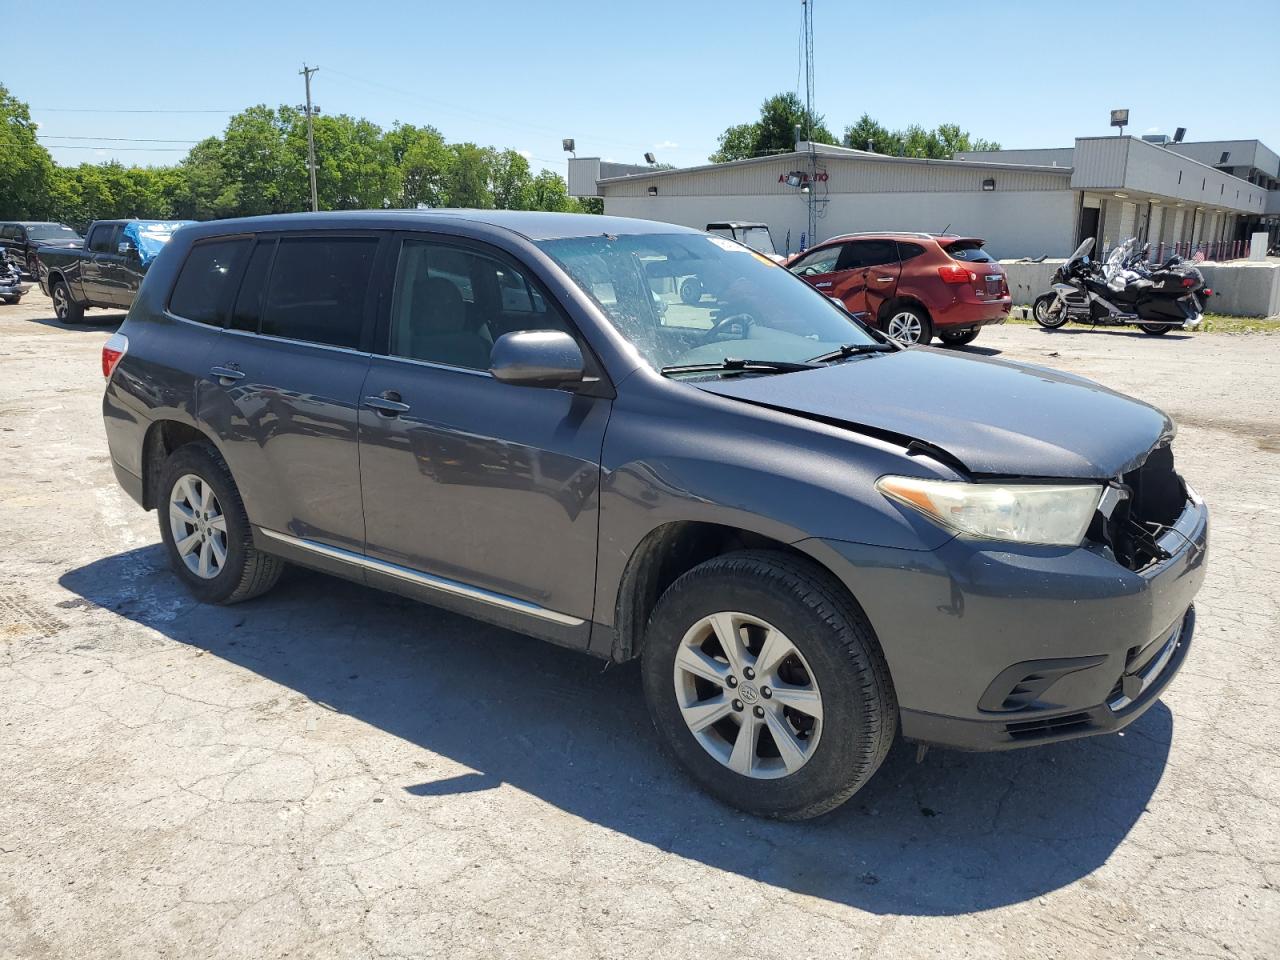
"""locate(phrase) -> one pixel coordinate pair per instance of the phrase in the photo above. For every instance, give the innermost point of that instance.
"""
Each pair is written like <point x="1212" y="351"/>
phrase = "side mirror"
<point x="537" y="358"/>
<point x="125" y="247"/>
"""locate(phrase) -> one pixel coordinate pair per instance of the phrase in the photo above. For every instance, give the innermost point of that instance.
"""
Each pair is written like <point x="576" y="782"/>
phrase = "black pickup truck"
<point x="107" y="270"/>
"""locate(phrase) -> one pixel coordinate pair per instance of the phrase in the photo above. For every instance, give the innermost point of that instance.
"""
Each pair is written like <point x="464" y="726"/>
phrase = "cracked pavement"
<point x="333" y="772"/>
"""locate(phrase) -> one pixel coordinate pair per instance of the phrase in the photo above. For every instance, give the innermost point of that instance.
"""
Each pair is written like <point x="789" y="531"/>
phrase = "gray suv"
<point x="812" y="539"/>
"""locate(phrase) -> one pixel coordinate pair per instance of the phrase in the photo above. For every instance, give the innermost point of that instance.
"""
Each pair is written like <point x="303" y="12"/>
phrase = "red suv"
<point x="911" y="285"/>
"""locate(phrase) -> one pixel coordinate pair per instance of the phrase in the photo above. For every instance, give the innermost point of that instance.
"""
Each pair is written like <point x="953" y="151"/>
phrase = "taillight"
<point x="954" y="273"/>
<point x="113" y="352"/>
<point x="1188" y="281"/>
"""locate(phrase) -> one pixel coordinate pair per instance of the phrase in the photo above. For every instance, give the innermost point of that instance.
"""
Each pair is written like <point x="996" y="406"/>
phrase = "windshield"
<point x="757" y="238"/>
<point x="1083" y="249"/>
<point x="51" y="231"/>
<point x="692" y="298"/>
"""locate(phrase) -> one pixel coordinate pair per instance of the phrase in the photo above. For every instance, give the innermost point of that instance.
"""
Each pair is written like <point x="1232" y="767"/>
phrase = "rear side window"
<point x="10" y="233"/>
<point x="207" y="281"/>
<point x="969" y="251"/>
<point x="909" y="251"/>
<point x="317" y="289"/>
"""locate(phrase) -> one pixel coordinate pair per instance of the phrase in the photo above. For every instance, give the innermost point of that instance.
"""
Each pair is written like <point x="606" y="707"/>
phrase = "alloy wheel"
<point x="905" y="327"/>
<point x="747" y="695"/>
<point x="198" y="525"/>
<point x="60" y="303"/>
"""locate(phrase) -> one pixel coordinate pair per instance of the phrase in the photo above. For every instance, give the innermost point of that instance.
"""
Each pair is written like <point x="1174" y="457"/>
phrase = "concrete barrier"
<point x="1241" y="289"/>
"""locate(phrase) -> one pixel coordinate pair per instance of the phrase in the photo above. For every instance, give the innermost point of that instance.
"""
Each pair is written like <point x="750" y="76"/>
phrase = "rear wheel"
<point x="1042" y="310"/>
<point x="910" y="326"/>
<point x="12" y="300"/>
<point x="65" y="306"/>
<point x="765" y="681"/>
<point x="950" y="339"/>
<point x="206" y="532"/>
<point x="1156" y="329"/>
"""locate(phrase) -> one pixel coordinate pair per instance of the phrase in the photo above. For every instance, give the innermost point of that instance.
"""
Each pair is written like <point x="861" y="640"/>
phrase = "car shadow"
<point x="953" y="834"/>
<point x="1116" y="332"/>
<point x="977" y="351"/>
<point x="91" y="321"/>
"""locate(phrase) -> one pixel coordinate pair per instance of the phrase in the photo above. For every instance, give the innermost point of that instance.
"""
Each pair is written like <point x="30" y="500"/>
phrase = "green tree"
<point x="774" y="132"/>
<point x="510" y="180"/>
<point x="467" y="179"/>
<point x="354" y="167"/>
<point x="548" y="191"/>
<point x="26" y="169"/>
<point x="268" y="176"/>
<point x="867" y="134"/>
<point x="915" y="141"/>
<point x="423" y="159"/>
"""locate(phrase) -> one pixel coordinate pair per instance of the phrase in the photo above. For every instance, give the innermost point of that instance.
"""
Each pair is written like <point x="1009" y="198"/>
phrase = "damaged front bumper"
<point x="993" y="646"/>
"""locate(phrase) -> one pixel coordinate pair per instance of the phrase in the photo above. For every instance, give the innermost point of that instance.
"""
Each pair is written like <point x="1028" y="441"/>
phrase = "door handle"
<point x="823" y="285"/>
<point x="387" y="405"/>
<point x="227" y="375"/>
<point x="884" y="279"/>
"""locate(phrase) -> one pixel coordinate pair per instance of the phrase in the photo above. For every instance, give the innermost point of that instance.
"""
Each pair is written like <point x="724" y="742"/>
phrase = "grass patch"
<point x="1212" y="323"/>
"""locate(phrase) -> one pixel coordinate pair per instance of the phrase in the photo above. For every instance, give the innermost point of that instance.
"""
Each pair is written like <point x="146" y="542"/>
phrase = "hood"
<point x="993" y="416"/>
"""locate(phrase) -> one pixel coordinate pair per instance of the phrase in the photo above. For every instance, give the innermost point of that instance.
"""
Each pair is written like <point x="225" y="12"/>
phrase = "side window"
<point x="451" y="303"/>
<point x="207" y="281"/>
<point x="318" y="288"/>
<point x="909" y="251"/>
<point x="9" y="233"/>
<point x="869" y="253"/>
<point x="100" y="241"/>
<point x="247" y="312"/>
<point x="820" y="261"/>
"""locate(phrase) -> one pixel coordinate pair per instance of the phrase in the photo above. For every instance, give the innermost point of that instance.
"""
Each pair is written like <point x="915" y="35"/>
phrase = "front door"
<point x="283" y="387"/>
<point x="489" y="490"/>
<point x="821" y="268"/>
<point x="872" y="267"/>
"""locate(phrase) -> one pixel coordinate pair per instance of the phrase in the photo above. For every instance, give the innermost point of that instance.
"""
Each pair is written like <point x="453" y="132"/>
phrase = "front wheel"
<point x="1048" y="312"/>
<point x="1156" y="329"/>
<point x="766" y="682"/>
<point x="13" y="300"/>
<point x="65" y="306"/>
<point x="206" y="531"/>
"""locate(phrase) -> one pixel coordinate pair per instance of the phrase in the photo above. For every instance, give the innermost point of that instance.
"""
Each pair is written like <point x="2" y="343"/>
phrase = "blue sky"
<point x="623" y="78"/>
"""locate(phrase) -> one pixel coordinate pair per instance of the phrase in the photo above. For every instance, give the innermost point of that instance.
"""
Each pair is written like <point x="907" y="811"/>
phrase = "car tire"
<point x="950" y="339"/>
<point x="65" y="306"/>
<point x="206" y="531"/>
<point x="837" y="666"/>
<point x="1040" y="312"/>
<point x="12" y="301"/>
<point x="909" y="326"/>
<point x="691" y="291"/>
<point x="1156" y="329"/>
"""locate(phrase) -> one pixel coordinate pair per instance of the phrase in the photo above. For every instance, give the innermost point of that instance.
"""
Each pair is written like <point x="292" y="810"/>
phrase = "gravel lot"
<point x="333" y="772"/>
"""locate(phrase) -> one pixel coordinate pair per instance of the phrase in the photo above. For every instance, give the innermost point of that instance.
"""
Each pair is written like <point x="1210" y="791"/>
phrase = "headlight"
<point x="1053" y="514"/>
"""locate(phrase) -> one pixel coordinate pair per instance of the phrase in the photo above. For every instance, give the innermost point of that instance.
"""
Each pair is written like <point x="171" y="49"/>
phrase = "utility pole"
<point x="306" y="73"/>
<point x="811" y="197"/>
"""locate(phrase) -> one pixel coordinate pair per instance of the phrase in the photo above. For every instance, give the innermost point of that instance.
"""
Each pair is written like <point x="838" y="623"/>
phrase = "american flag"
<point x="1199" y="257"/>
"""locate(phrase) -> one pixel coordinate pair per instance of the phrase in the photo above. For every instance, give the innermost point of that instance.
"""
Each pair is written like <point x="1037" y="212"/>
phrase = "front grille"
<point x="1155" y="497"/>
<point x="1050" y="726"/>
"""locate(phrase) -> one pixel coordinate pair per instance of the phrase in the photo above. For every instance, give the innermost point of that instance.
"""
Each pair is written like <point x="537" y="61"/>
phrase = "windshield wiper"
<point x="852" y="350"/>
<point x="734" y="365"/>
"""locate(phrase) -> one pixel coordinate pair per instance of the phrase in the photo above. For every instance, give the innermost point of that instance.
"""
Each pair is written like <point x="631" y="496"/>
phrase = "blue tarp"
<point x="150" y="235"/>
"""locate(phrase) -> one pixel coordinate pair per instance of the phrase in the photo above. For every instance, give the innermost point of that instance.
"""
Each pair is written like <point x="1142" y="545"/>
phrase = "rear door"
<point x="871" y="268"/>
<point x="95" y="264"/>
<point x="283" y="386"/>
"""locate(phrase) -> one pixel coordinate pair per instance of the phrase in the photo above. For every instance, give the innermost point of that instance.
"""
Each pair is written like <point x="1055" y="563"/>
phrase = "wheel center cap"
<point x="748" y="693"/>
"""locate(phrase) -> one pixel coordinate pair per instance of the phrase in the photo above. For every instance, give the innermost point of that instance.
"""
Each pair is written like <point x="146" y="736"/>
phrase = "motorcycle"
<point x="11" y="286"/>
<point x="1127" y="291"/>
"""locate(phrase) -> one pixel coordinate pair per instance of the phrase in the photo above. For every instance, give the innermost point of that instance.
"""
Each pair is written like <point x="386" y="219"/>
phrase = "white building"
<point x="1022" y="202"/>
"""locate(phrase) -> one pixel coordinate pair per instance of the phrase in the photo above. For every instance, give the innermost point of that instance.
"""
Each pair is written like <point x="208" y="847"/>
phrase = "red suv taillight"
<point x="954" y="273"/>
<point x="113" y="352"/>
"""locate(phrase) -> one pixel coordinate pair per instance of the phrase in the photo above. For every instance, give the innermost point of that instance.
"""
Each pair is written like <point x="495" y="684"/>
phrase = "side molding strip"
<point x="425" y="579"/>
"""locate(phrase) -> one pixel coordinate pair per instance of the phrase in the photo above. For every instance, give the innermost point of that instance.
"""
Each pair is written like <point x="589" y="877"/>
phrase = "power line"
<point x="55" y="136"/>
<point x="114" y="110"/>
<point x="69" y="146"/>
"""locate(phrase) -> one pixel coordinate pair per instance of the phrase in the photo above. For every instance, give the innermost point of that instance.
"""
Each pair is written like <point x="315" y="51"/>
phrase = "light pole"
<point x="311" y="136"/>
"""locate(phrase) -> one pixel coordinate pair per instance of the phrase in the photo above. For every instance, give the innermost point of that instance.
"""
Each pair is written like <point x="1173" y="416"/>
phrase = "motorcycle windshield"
<point x="1083" y="249"/>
